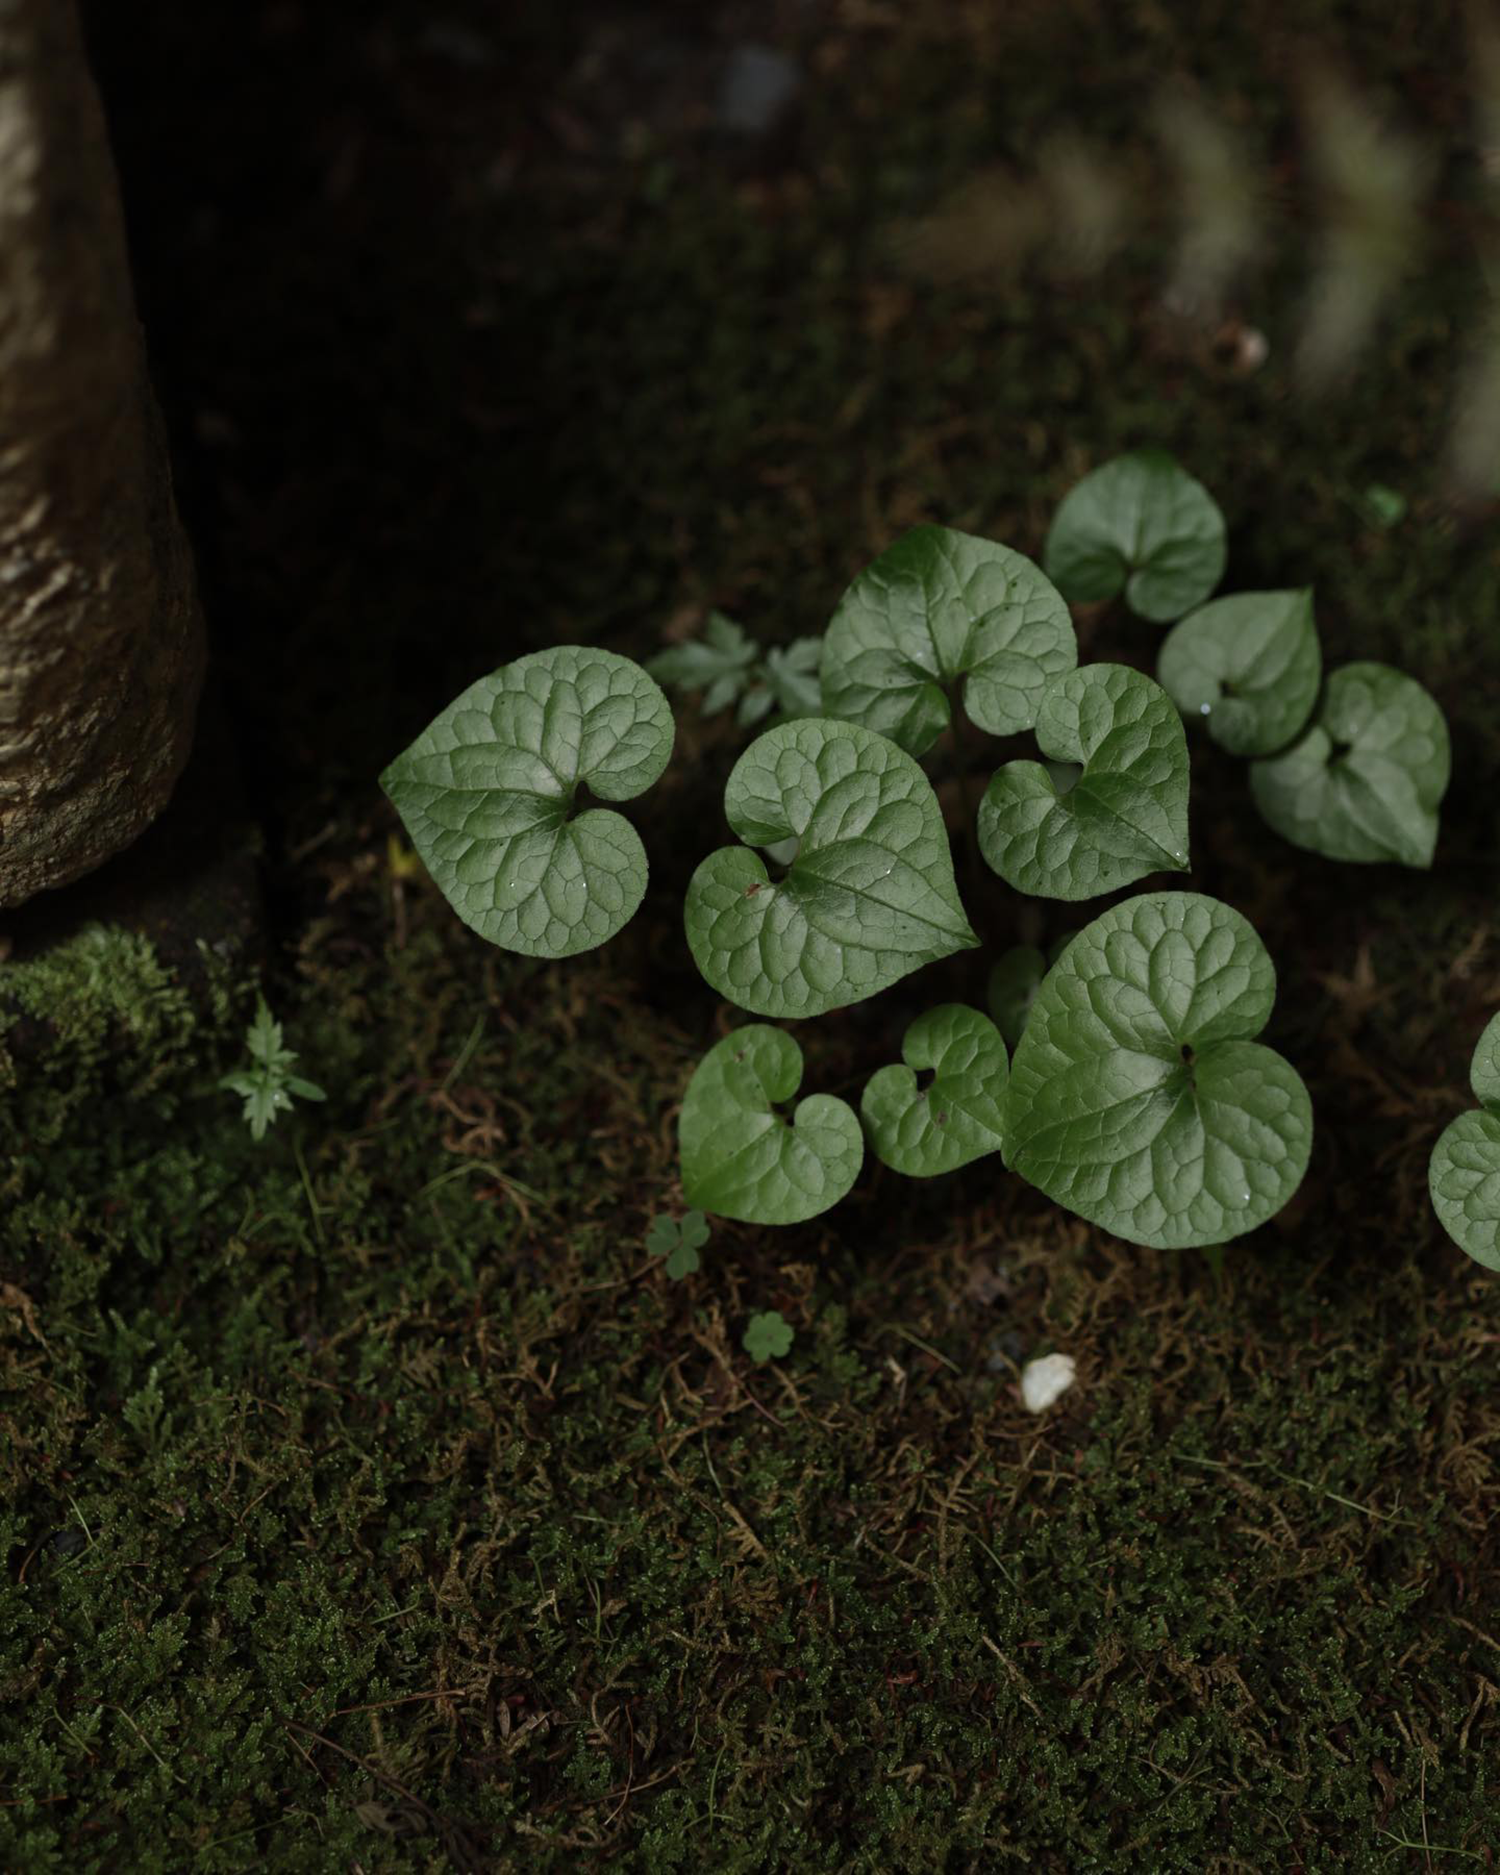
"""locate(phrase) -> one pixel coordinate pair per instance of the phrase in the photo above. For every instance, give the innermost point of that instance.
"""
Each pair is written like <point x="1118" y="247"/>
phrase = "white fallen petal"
<point x="1252" y="349"/>
<point x="1046" y="1380"/>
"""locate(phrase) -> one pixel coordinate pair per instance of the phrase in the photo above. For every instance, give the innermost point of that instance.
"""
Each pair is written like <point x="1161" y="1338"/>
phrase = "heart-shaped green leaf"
<point x="1248" y="666"/>
<point x="1484" y="1070"/>
<point x="1124" y="817"/>
<point x="1464" y="1176"/>
<point x="740" y="1157"/>
<point x="956" y="1118"/>
<point x="868" y="896"/>
<point x="1143" y="523"/>
<point x="1464" y="1179"/>
<point x="487" y="794"/>
<point x="936" y="607"/>
<point x="1138" y="1097"/>
<point x="1365" y="780"/>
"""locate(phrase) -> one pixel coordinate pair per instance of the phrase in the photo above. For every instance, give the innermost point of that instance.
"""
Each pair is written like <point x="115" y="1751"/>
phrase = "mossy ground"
<point x="370" y="1497"/>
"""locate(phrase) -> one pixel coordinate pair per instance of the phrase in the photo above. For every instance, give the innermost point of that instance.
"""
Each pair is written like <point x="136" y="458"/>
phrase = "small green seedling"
<point x="1248" y="667"/>
<point x="1126" y="815"/>
<point x="489" y="792"/>
<point x="1365" y="781"/>
<point x="1383" y="505"/>
<point x="937" y="610"/>
<point x="1138" y="1096"/>
<point x="679" y="1240"/>
<point x="1141" y="524"/>
<point x="268" y="1087"/>
<point x="1464" y="1176"/>
<point x="719" y="664"/>
<point x="1014" y="983"/>
<point x="743" y="1159"/>
<point x="956" y="1118"/>
<point x="869" y="896"/>
<point x="768" y="1337"/>
<point x="786" y="681"/>
<point x="1013" y="987"/>
<point x="728" y="667"/>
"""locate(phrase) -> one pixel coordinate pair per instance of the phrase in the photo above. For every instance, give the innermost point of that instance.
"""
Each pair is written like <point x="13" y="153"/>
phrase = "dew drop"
<point x="1204" y="708"/>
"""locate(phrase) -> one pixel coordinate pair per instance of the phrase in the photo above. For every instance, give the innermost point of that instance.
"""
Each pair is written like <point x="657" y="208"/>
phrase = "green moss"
<point x="397" y="1517"/>
<point x="100" y="1019"/>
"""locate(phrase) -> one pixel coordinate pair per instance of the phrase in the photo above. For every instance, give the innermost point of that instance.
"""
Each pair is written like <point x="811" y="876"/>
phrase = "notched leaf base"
<point x="1126" y="814"/>
<point x="487" y="793"/>
<point x="868" y="897"/>
<point x="956" y="1116"/>
<point x="1464" y="1175"/>
<point x="1365" y="780"/>
<point x="1138" y="1097"/>
<point x="937" y="609"/>
<point x="741" y="1157"/>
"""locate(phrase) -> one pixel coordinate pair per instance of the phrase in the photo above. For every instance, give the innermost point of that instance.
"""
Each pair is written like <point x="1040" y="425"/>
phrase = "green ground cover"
<point x="370" y="1497"/>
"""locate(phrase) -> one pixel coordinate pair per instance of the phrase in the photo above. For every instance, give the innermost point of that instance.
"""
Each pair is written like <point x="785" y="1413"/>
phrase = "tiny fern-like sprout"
<point x="1138" y="1096"/>
<point x="787" y="677"/>
<point x="718" y="665"/>
<point x="726" y="666"/>
<point x="268" y="1086"/>
<point x="1126" y="815"/>
<point x="956" y="1118"/>
<point x="937" y="608"/>
<point x="868" y="896"/>
<point x="488" y="792"/>
<point x="743" y="1159"/>
<point x="1142" y="524"/>
<point x="1247" y="666"/>
<point x="1464" y="1174"/>
<point x="1365" y="780"/>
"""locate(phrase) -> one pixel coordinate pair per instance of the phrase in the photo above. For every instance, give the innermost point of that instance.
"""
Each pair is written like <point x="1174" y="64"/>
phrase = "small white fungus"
<point x="1046" y="1380"/>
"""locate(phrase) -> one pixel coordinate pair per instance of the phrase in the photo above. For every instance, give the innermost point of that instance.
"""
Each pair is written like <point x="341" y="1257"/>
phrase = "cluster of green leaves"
<point x="1138" y="1096"/>
<point x="1354" y="767"/>
<point x="268" y="1086"/>
<point x="1464" y="1176"/>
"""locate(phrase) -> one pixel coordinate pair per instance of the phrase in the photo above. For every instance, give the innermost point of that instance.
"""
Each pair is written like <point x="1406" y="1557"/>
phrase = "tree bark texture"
<point x="101" y="639"/>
